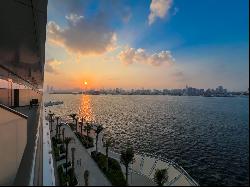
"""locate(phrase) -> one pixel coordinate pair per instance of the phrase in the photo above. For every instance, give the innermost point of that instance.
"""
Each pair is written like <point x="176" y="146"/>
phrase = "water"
<point x="208" y="137"/>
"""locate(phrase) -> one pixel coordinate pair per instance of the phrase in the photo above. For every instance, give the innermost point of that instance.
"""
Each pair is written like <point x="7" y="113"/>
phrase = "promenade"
<point x="134" y="179"/>
<point x="141" y="172"/>
<point x="96" y="177"/>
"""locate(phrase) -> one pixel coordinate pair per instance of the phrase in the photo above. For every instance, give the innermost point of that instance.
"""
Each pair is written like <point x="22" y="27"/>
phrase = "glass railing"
<point x="48" y="165"/>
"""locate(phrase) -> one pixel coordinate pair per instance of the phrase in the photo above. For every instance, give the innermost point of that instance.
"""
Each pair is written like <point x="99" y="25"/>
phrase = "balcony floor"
<point x="24" y="171"/>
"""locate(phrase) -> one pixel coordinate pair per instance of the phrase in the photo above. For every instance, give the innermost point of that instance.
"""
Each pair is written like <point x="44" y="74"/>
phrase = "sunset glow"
<point x="130" y="45"/>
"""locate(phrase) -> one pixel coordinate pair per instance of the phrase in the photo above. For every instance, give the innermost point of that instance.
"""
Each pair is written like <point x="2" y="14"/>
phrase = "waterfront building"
<point x="22" y="57"/>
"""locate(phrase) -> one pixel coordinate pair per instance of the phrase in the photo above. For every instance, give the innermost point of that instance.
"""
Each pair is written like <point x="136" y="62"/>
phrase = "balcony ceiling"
<point x="22" y="40"/>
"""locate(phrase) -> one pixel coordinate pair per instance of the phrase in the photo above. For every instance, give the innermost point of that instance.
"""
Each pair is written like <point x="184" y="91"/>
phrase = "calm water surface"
<point x="208" y="137"/>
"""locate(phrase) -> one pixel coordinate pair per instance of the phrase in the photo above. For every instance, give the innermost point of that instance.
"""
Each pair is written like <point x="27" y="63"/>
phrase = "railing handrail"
<point x="40" y="121"/>
<point x="13" y="111"/>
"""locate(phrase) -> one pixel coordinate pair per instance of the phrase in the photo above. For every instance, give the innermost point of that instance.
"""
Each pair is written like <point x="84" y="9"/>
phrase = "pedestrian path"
<point x="141" y="172"/>
<point x="96" y="177"/>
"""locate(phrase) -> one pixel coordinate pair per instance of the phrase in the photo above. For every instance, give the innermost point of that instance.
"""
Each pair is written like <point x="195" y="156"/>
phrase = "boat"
<point x="53" y="103"/>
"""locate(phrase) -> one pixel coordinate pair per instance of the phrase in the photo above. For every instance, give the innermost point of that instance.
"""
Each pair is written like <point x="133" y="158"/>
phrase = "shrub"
<point x="62" y="157"/>
<point x="72" y="126"/>
<point x="55" y="149"/>
<point x="56" y="141"/>
<point x="87" y="142"/>
<point x="68" y="165"/>
<point x="74" y="181"/>
<point x="62" y="149"/>
<point x="114" y="174"/>
<point x="62" y="177"/>
<point x="86" y="177"/>
<point x="59" y="141"/>
<point x="53" y="141"/>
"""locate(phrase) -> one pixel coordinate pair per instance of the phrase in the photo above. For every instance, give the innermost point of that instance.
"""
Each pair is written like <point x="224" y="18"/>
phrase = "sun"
<point x="85" y="82"/>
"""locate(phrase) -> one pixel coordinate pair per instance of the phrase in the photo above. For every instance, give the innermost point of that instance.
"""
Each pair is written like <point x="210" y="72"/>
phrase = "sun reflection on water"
<point x="85" y="109"/>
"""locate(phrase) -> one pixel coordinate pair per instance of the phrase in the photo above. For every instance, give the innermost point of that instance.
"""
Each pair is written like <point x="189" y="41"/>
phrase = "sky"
<point x="147" y="44"/>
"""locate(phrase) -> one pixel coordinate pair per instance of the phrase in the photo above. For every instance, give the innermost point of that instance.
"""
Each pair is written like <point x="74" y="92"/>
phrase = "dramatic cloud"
<point x="73" y="18"/>
<point x="51" y="66"/>
<point x="159" y="8"/>
<point x="113" y="9"/>
<point x="131" y="55"/>
<point x="83" y="36"/>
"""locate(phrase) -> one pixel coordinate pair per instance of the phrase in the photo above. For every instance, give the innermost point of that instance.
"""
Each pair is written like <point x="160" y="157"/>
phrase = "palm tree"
<point x="98" y="130"/>
<point x="86" y="177"/>
<point x="73" y="163"/>
<point x="81" y="124"/>
<point x="87" y="129"/>
<point x="161" y="176"/>
<point x="63" y="134"/>
<point x="76" y="120"/>
<point x="51" y="120"/>
<point x="67" y="140"/>
<point x="107" y="144"/>
<point x="73" y="116"/>
<point x="127" y="157"/>
<point x="57" y="119"/>
<point x="59" y="129"/>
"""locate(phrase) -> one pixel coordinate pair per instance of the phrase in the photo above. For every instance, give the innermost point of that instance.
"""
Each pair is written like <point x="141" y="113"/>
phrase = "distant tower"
<point x="47" y="88"/>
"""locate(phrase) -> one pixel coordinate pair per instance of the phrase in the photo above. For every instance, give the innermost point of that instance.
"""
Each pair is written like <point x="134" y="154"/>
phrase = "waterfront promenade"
<point x="134" y="179"/>
<point x="141" y="172"/>
<point x="96" y="177"/>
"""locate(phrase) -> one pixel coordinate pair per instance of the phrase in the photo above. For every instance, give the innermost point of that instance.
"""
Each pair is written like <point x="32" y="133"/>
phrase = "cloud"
<point x="51" y="66"/>
<point x="113" y="9"/>
<point x="159" y="9"/>
<point x="73" y="18"/>
<point x="131" y="55"/>
<point x="83" y="36"/>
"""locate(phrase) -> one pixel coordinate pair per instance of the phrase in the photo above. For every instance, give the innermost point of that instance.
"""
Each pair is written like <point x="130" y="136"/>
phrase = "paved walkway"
<point x="140" y="175"/>
<point x="134" y="179"/>
<point x="96" y="177"/>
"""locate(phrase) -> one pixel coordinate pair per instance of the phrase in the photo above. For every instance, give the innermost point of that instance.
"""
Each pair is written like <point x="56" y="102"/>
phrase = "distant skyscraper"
<point x="47" y="89"/>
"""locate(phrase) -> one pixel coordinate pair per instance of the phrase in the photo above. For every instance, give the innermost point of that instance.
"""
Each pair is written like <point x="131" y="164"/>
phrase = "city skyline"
<point x="177" y="91"/>
<point x="152" y="44"/>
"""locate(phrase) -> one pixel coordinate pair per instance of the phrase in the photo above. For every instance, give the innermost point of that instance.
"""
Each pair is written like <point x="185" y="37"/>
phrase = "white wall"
<point x="25" y="95"/>
<point x="13" y="139"/>
<point x="4" y="99"/>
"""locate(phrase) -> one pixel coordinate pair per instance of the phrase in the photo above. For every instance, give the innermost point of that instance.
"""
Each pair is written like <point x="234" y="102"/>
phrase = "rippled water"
<point x="208" y="137"/>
